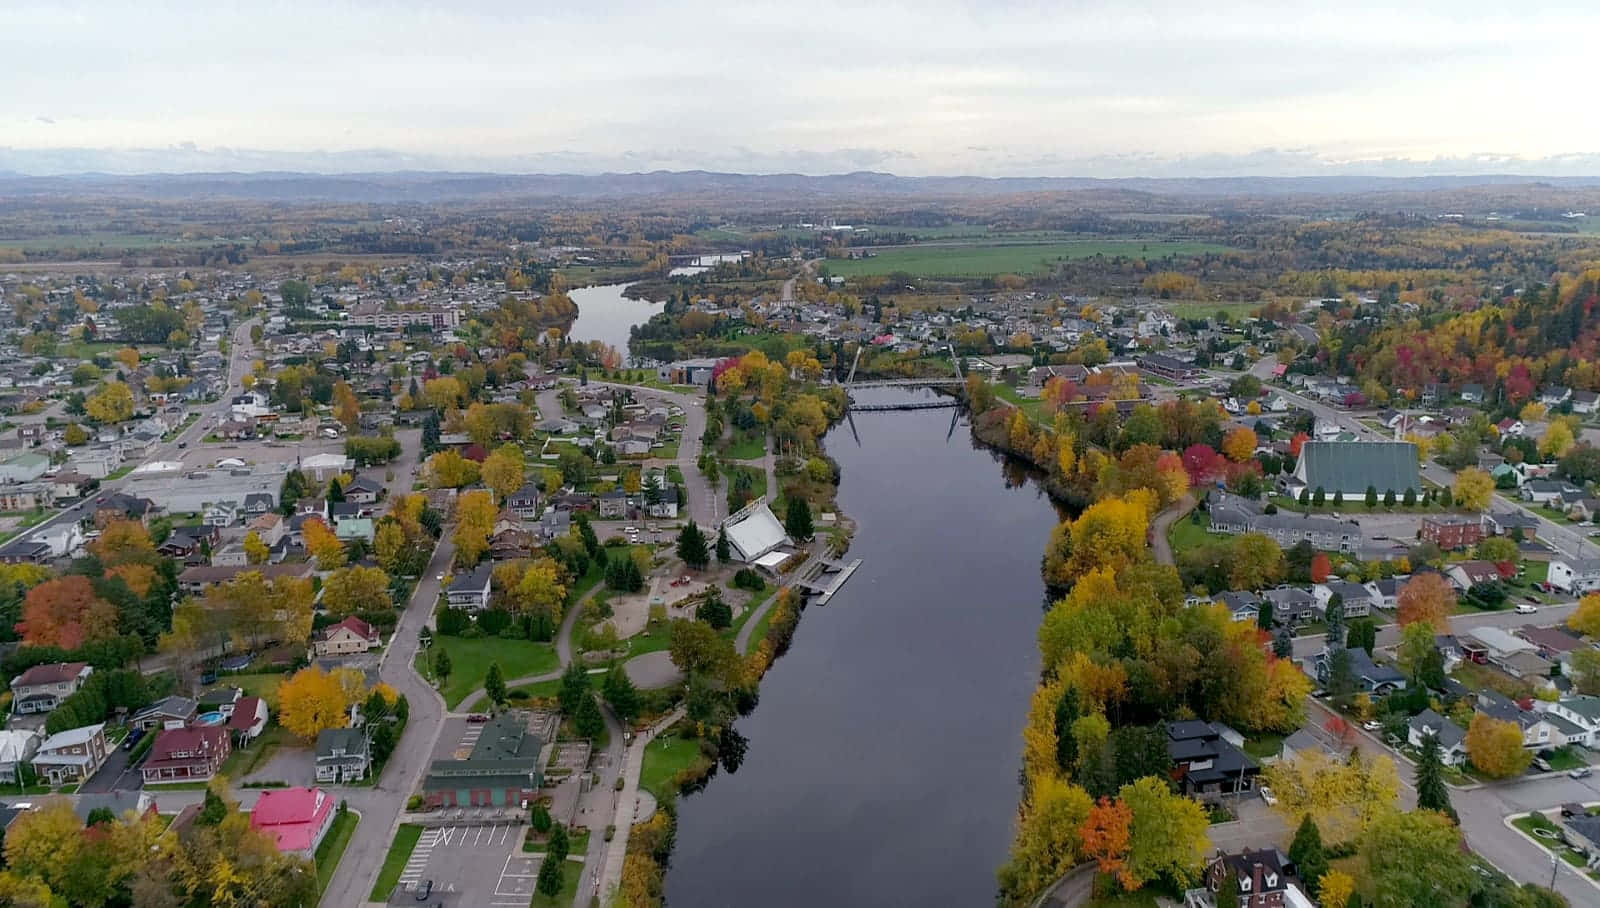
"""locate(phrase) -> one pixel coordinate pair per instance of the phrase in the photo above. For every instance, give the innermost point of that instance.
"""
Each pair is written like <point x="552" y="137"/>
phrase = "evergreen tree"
<point x="494" y="684"/>
<point x="1335" y="620"/>
<point x="213" y="811"/>
<point x="1283" y="644"/>
<point x="1341" y="676"/>
<point x="1264" y="617"/>
<point x="1068" y="710"/>
<point x="1410" y="499"/>
<point x="1307" y="854"/>
<point x="549" y="882"/>
<point x="1320" y="498"/>
<point x="335" y="491"/>
<point x="1338" y="498"/>
<point x="621" y="694"/>
<point x="430" y="433"/>
<point x="692" y="546"/>
<point x="539" y="818"/>
<point x="587" y="721"/>
<point x="1372" y="496"/>
<point x="1305" y="496"/>
<point x="441" y="665"/>
<point x="1431" y="791"/>
<point x="714" y="611"/>
<point x="560" y="843"/>
<point x="591" y="542"/>
<point x="724" y="551"/>
<point x="574" y="687"/>
<point x="797" y="520"/>
<point x="1388" y="498"/>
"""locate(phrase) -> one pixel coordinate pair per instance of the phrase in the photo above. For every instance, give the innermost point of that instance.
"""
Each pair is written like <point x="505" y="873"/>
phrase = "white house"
<point x="1452" y="740"/>
<point x="1575" y="576"/>
<point x="470" y="591"/>
<point x="1582" y="711"/>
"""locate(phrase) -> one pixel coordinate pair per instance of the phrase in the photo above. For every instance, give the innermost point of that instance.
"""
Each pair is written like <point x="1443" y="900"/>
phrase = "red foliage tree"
<point x="1203" y="463"/>
<point x="1321" y="567"/>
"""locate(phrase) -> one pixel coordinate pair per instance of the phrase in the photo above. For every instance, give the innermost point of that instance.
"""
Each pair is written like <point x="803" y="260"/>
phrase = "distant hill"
<point x="437" y="186"/>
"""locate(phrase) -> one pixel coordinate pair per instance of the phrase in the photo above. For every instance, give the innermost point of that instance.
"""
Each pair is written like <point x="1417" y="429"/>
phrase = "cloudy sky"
<point x="1065" y="88"/>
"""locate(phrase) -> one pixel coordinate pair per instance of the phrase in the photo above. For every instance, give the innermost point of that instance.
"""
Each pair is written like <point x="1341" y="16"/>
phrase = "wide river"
<point x="604" y="314"/>
<point x="883" y="757"/>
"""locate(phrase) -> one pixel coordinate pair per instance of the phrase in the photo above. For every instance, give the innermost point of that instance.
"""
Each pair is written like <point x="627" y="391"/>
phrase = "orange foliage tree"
<point x="1240" y="444"/>
<point x="1321" y="567"/>
<point x="1427" y="597"/>
<point x="1106" y="833"/>
<point x="65" y="612"/>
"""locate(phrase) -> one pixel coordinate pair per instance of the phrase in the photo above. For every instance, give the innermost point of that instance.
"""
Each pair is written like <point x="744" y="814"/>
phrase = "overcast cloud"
<point x="995" y="89"/>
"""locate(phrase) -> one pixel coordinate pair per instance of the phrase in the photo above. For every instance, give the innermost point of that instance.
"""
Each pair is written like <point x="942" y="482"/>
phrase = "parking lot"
<point x="470" y="865"/>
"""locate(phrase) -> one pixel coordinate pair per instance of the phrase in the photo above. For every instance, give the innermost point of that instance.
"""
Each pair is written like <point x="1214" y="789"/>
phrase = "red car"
<point x="477" y="717"/>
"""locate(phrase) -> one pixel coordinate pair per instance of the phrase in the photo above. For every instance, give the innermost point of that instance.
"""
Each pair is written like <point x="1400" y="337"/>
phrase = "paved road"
<point x="381" y="806"/>
<point x="608" y="767"/>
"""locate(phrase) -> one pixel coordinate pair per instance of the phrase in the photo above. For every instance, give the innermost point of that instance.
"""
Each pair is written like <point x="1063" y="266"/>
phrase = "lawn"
<point x="1527" y="823"/>
<point x="749" y="447"/>
<point x="654" y="639"/>
<point x="758" y="480"/>
<point x="1032" y="407"/>
<point x="571" y="872"/>
<point x="244" y="761"/>
<point x="667" y="756"/>
<point x="1185" y="534"/>
<point x="260" y="684"/>
<point x="985" y="260"/>
<point x="1198" y="310"/>
<point x="405" y="841"/>
<point x="333" y="846"/>
<point x="750" y="608"/>
<point x="1263" y="745"/>
<point x="470" y="661"/>
<point x="1565" y="758"/>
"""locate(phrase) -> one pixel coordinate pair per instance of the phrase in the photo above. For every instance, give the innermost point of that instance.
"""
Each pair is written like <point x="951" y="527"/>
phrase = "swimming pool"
<point x="211" y="718"/>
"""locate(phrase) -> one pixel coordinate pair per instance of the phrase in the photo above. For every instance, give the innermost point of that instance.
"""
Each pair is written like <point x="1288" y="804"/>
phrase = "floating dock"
<point x="826" y="578"/>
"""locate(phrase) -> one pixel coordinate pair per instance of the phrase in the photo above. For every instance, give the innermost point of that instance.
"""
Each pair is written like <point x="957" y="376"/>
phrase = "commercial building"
<point x="1352" y="467"/>
<point x="297" y="818"/>
<point x="505" y="769"/>
<point x="252" y="489"/>
<point x="1452" y="531"/>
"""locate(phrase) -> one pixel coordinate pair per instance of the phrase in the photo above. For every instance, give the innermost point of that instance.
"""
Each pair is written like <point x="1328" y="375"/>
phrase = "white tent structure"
<point x="753" y="531"/>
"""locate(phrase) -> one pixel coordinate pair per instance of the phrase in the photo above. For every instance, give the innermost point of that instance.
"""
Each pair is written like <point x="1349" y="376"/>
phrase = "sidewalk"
<point x="611" y="877"/>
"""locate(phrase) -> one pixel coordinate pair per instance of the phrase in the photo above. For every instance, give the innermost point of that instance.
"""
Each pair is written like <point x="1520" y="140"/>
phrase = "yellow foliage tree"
<point x="1109" y="533"/>
<point x="1239" y="445"/>
<point x="1495" y="747"/>
<point x="449" y="470"/>
<point x="1474" y="489"/>
<point x="312" y="700"/>
<point x="1048" y="842"/>
<point x="113" y="403"/>
<point x="1343" y="797"/>
<point x="323" y="544"/>
<point x="356" y="589"/>
<point x="502" y="471"/>
<point x="1586" y="618"/>
<point x="1557" y="440"/>
<point x="255" y="549"/>
<point x="1334" y="889"/>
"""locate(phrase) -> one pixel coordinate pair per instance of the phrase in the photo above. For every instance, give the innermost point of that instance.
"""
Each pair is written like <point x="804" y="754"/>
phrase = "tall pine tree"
<point x="1431" y="791"/>
<point x="1306" y="851"/>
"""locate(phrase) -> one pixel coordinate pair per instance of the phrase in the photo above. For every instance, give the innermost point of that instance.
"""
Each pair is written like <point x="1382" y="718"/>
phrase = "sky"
<point x="1003" y="88"/>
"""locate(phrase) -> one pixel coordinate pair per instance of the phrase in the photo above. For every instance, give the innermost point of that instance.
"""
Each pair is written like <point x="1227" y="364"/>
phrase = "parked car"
<point x="476" y="718"/>
<point x="1268" y="796"/>
<point x="1526" y="608"/>
<point x="1372" y="725"/>
<point x="132" y="738"/>
<point x="424" y="889"/>
<point x="1541" y="764"/>
<point x="1582" y="772"/>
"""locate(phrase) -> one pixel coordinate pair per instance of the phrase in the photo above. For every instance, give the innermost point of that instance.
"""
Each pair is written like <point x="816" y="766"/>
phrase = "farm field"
<point x="975" y="260"/>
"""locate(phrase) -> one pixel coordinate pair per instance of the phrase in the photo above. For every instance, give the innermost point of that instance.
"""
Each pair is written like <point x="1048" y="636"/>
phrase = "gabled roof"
<point x="52" y="673"/>
<point x="1429" y="722"/>
<point x="72" y="737"/>
<point x="180" y="707"/>
<point x="1352" y="466"/>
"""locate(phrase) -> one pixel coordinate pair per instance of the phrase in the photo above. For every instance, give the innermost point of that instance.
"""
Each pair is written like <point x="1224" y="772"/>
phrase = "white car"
<point x="1524" y="608"/>
<point x="1268" y="796"/>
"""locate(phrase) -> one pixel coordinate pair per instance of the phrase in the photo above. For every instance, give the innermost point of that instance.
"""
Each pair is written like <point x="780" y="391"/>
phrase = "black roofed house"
<point x="1452" y="739"/>
<point x="470" y="589"/>
<point x="25" y="551"/>
<point x="1255" y="879"/>
<point x="1204" y="763"/>
<point x="1371" y="677"/>
<point x="1242" y="604"/>
<point x="168" y="712"/>
<point x="1583" y="833"/>
<point x="524" y="502"/>
<point x="1352" y="467"/>
<point x="343" y="755"/>
<point x="1291" y="605"/>
<point x="1168" y="366"/>
<point x="363" y="491"/>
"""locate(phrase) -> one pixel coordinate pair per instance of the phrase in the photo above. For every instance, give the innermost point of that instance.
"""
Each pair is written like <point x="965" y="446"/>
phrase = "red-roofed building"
<point x="296" y="818"/>
<point x="352" y="635"/>
<point x="192" y="754"/>
<point x="249" y="719"/>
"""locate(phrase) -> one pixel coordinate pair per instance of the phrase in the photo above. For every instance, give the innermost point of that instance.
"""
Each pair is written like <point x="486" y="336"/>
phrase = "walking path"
<point x="563" y="656"/>
<point x="1163" y="522"/>
<point x="611" y="877"/>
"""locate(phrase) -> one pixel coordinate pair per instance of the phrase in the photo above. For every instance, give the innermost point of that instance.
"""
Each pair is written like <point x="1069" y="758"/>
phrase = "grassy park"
<point x="470" y="661"/>
<point x="405" y="841"/>
<point x="667" y="756"/>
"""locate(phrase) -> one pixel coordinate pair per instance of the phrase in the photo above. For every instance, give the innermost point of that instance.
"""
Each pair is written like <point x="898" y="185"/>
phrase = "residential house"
<point x="1291" y="605"/>
<point x="1554" y="395"/>
<point x="231" y="555"/>
<point x="1385" y="591"/>
<point x="168" y="712"/>
<point x="248" y="721"/>
<point x="194" y="580"/>
<point x="343" y="755"/>
<point x="1582" y="832"/>
<point x="1547" y="492"/>
<point x="1539" y="731"/>
<point x="24" y="467"/>
<point x="1451" y="532"/>
<point x="363" y="491"/>
<point x="219" y="700"/>
<point x="1252" y="879"/>
<point x="25" y="551"/>
<point x="1242" y="604"/>
<point x="117" y="506"/>
<point x="1452" y="739"/>
<point x="470" y="590"/>
<point x="1204" y="764"/>
<point x="613" y="505"/>
<point x="297" y="819"/>
<point x="1375" y="679"/>
<point x="1168" y="366"/>
<point x="1574" y="576"/>
<point x="71" y="756"/>
<point x="524" y="502"/>
<point x="1234" y="515"/>
<point x="1585" y="402"/>
<point x="41" y="688"/>
<point x="1509" y="523"/>
<point x="190" y="754"/>
<point x="1472" y="393"/>
<point x="1553" y="643"/>
<point x="270" y="528"/>
<point x="1583" y="712"/>
<point x="352" y="635"/>
<point x="1356" y="599"/>
<point x="17" y="746"/>
<point x="1465" y="575"/>
<point x="1352" y="467"/>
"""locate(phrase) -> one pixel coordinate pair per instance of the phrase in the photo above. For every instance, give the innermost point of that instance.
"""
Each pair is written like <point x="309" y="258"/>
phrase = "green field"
<point x="405" y="841"/>
<point x="1198" y="310"/>
<point x="751" y="447"/>
<point x="571" y="873"/>
<point x="333" y="846"/>
<point x="985" y="260"/>
<point x="470" y="661"/>
<point x="664" y="758"/>
<point x="110" y="241"/>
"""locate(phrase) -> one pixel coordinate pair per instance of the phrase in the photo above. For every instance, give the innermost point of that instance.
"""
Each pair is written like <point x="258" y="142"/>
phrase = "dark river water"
<point x="883" y="757"/>
<point x="604" y="314"/>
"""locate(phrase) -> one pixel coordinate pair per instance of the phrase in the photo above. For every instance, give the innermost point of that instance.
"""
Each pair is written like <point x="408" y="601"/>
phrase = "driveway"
<point x="115" y="774"/>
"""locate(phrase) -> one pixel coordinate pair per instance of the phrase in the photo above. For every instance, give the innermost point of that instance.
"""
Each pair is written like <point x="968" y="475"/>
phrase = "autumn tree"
<point x="502" y="471"/>
<point x="1586" y="618"/>
<point x="1427" y="597"/>
<point x="1048" y="841"/>
<point x="66" y="613"/>
<point x="1495" y="747"/>
<point x="389" y="545"/>
<point x="312" y="700"/>
<point x="449" y="470"/>
<point x="1239" y="445"/>
<point x="1257" y="562"/>
<point x="1109" y="533"/>
<point x="323" y="544"/>
<point x="1557" y="440"/>
<point x="356" y="589"/>
<point x="1343" y="797"/>
<point x="113" y="403"/>
<point x="1416" y="858"/>
<point x="1335" y="888"/>
<point x="1105" y="835"/>
<point x="1168" y="834"/>
<point x="1321" y="567"/>
<point x="124" y="542"/>
<point x="346" y="408"/>
<point x="255" y="549"/>
<point x="475" y="516"/>
<point x="1474" y="489"/>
